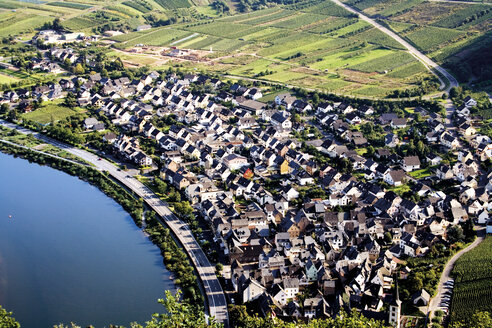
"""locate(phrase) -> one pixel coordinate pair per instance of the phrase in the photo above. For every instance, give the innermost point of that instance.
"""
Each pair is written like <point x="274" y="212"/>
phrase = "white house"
<point x="235" y="162"/>
<point x="411" y="163"/>
<point x="394" y="178"/>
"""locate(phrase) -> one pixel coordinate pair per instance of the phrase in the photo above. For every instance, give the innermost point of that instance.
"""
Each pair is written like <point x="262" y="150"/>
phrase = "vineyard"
<point x="431" y="38"/>
<point x="173" y="4"/>
<point x="71" y="5"/>
<point x="139" y="5"/>
<point x="473" y="282"/>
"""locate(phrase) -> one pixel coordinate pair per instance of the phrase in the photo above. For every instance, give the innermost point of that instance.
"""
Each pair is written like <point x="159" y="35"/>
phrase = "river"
<point x="69" y="253"/>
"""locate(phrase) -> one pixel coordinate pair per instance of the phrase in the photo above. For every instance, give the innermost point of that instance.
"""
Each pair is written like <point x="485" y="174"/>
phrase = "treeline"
<point x="424" y="88"/>
<point x="174" y="258"/>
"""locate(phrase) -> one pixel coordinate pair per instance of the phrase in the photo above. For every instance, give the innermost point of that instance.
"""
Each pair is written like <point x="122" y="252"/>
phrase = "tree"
<point x="387" y="237"/>
<point x="78" y="69"/>
<point x="13" y="115"/>
<point x="4" y="108"/>
<point x="6" y="319"/>
<point x="455" y="234"/>
<point x="178" y="314"/>
<point x="453" y="92"/>
<point x="70" y="100"/>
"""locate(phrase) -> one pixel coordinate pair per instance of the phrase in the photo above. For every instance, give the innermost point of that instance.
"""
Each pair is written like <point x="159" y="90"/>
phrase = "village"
<point x="314" y="205"/>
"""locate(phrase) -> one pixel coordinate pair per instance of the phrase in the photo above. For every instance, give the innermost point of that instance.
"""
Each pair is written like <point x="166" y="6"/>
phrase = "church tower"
<point x="395" y="308"/>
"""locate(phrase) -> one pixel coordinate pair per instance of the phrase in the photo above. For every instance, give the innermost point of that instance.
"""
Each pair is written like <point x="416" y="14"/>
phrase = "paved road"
<point x="411" y="49"/>
<point x="446" y="272"/>
<point x="206" y="271"/>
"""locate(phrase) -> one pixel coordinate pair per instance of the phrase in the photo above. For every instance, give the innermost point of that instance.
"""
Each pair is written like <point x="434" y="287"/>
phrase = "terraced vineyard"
<point x="473" y="282"/>
<point x="310" y="43"/>
<point x="454" y="34"/>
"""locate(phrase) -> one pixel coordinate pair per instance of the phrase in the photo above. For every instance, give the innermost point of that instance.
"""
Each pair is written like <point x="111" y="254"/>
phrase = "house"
<point x="253" y="106"/>
<point x="301" y="106"/>
<point x="399" y="123"/>
<point x="387" y="118"/>
<point x="291" y="286"/>
<point x="391" y="140"/>
<point x="324" y="107"/>
<point x="444" y="172"/>
<point x="469" y="102"/>
<point x="366" y="110"/>
<point x="89" y="123"/>
<point x="235" y="162"/>
<point x="449" y="141"/>
<point x="394" y="177"/>
<point x="281" y="121"/>
<point x="345" y="108"/>
<point x="286" y="100"/>
<point x="143" y="28"/>
<point x="251" y="290"/>
<point x="109" y="137"/>
<point x="411" y="163"/>
<point x="421" y="298"/>
<point x="353" y="118"/>
<point x="433" y="159"/>
<point x="467" y="129"/>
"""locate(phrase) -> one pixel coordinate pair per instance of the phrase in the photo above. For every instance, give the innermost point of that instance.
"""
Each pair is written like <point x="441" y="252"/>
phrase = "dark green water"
<point x="71" y="254"/>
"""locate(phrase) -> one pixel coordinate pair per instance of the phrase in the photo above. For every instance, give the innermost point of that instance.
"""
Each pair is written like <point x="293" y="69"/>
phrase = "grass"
<point x="419" y="174"/>
<point x="361" y="151"/>
<point x="5" y="79"/>
<point x="400" y="190"/>
<point x="52" y="111"/>
<point x="271" y="96"/>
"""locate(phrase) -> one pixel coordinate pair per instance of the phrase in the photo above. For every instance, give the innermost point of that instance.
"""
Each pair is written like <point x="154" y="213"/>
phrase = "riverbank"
<point x="173" y="257"/>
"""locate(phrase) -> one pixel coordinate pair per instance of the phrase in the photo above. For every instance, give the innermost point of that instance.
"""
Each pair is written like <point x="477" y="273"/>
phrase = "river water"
<point x="69" y="253"/>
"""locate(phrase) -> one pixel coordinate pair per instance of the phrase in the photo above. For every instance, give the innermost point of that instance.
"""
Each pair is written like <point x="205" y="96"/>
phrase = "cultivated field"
<point x="473" y="282"/>
<point x="310" y="43"/>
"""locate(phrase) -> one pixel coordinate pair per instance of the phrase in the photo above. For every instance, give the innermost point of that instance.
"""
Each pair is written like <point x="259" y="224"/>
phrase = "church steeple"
<point x="395" y="307"/>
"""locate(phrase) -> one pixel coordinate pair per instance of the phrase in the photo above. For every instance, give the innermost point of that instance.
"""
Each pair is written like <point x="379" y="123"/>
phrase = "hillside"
<point x="309" y="43"/>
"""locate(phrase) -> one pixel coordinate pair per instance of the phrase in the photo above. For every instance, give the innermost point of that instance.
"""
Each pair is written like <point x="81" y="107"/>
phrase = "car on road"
<point x="99" y="158"/>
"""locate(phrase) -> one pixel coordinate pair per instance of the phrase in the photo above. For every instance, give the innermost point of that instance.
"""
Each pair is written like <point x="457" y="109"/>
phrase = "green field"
<point x="311" y="43"/>
<point x="5" y="79"/>
<point x="431" y="38"/>
<point x="473" y="282"/>
<point x="72" y="5"/>
<point x="385" y="63"/>
<point x="52" y="111"/>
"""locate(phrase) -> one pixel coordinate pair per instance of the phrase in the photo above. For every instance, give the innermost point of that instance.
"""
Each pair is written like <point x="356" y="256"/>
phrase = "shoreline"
<point x="130" y="203"/>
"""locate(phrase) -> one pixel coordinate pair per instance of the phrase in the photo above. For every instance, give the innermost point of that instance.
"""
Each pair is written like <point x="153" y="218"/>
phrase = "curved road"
<point x="446" y="272"/>
<point x="206" y="271"/>
<point x="411" y="49"/>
